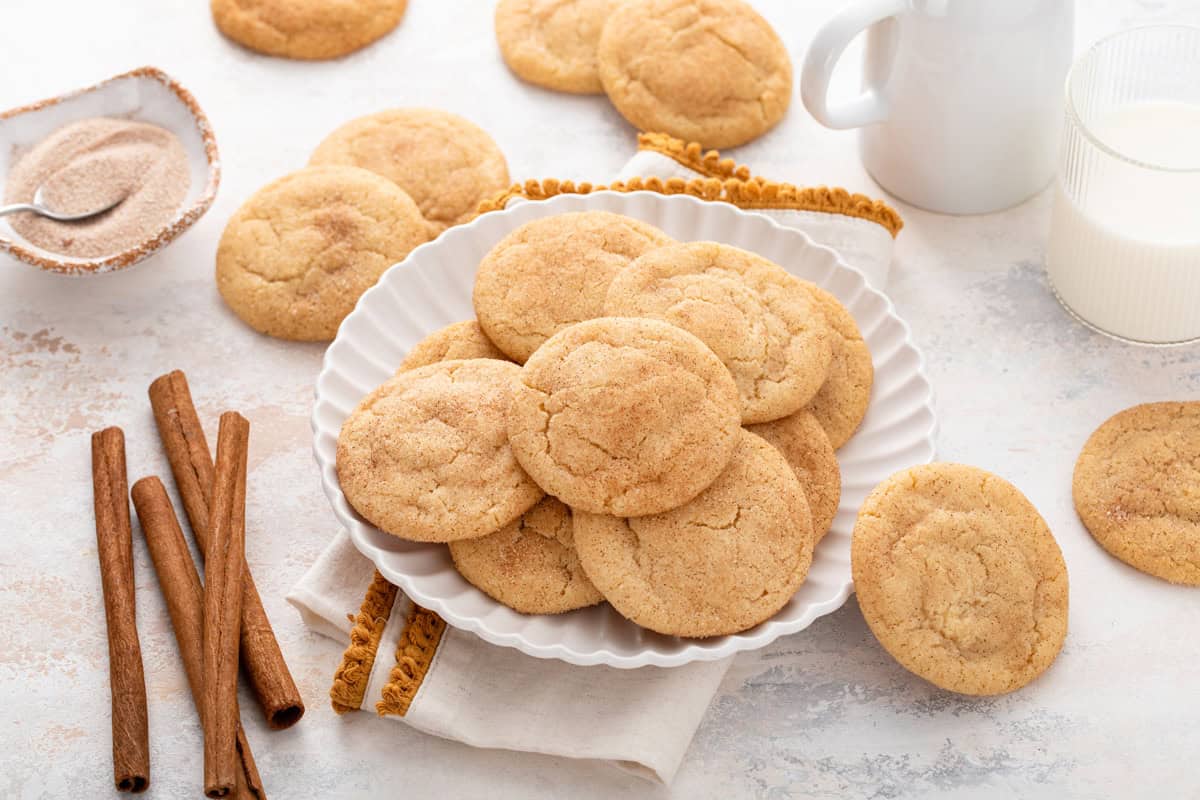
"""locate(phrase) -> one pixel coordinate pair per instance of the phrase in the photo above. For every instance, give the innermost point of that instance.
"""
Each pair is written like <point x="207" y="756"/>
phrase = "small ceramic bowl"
<point x="144" y="95"/>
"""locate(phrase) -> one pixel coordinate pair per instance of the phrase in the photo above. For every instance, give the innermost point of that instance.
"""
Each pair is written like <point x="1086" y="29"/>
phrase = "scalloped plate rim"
<point x="695" y="649"/>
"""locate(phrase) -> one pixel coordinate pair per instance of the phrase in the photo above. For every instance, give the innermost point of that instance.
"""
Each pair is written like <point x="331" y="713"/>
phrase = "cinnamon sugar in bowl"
<point x="145" y="95"/>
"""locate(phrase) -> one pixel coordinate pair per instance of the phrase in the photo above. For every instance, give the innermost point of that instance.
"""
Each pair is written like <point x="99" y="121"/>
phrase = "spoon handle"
<point x="42" y="211"/>
<point x="18" y="207"/>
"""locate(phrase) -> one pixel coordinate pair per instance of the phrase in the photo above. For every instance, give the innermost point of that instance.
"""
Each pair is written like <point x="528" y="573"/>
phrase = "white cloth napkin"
<point x="640" y="720"/>
<point x="487" y="696"/>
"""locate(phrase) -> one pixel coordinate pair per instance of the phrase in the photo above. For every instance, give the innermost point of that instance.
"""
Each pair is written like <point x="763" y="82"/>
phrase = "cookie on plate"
<point x="552" y="272"/>
<point x="802" y="441"/>
<point x="841" y="404"/>
<point x="960" y="579"/>
<point x="425" y="456"/>
<point x="553" y="43"/>
<point x="458" y="341"/>
<point x="710" y="71"/>
<point x="295" y="258"/>
<point x="448" y="164"/>
<point x="720" y="564"/>
<point x="624" y="416"/>
<point x="1137" y="489"/>
<point x="760" y="319"/>
<point x="529" y="565"/>
<point x="306" y="29"/>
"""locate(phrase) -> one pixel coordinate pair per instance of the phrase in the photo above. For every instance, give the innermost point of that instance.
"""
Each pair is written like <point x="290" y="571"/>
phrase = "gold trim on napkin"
<point x="350" y="679"/>
<point x="723" y="181"/>
<point x="414" y="653"/>
<point x="692" y="156"/>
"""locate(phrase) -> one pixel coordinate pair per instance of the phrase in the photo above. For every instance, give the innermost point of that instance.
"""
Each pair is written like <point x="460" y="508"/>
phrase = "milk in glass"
<point x="1124" y="252"/>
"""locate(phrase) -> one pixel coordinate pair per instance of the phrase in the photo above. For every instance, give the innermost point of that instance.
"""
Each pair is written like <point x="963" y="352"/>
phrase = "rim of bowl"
<point x="66" y="265"/>
<point x="1085" y="60"/>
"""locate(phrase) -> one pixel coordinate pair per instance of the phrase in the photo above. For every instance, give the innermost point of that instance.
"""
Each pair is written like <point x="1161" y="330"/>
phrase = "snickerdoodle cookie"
<point x="841" y="404"/>
<point x="529" y="565"/>
<point x="711" y="71"/>
<point x="425" y="456"/>
<point x="448" y="164"/>
<point x="453" y="342"/>
<point x="960" y="579"/>
<point x="761" y="320"/>
<point x="307" y="29"/>
<point x="807" y="449"/>
<point x="553" y="42"/>
<point x="624" y="416"/>
<point x="720" y="564"/>
<point x="553" y="272"/>
<point x="1137" y="489"/>
<point x="297" y="255"/>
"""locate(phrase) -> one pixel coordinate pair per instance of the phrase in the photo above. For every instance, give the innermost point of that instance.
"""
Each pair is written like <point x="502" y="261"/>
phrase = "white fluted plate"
<point x="432" y="288"/>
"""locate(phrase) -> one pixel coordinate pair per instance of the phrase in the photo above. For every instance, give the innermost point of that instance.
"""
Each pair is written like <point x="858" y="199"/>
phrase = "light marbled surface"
<point x="824" y="713"/>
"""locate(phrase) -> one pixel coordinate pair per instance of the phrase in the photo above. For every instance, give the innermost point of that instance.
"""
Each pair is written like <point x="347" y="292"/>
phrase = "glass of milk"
<point x="1124" y="252"/>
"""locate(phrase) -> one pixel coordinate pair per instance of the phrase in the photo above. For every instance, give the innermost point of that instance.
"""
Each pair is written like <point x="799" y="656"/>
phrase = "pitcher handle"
<point x="826" y="49"/>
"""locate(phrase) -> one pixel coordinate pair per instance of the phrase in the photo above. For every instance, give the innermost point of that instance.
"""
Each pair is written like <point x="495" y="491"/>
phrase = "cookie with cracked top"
<point x="960" y="579"/>
<point x="624" y="416"/>
<point x="720" y="564"/>
<point x="425" y="456"/>
<point x="710" y="71"/>
<point x="454" y="342"/>
<point x="306" y="29"/>
<point x="446" y="163"/>
<point x="553" y="43"/>
<point x="529" y="565"/>
<point x="761" y="320"/>
<point x="295" y="258"/>
<point x="807" y="449"/>
<point x="553" y="272"/>
<point x="841" y="404"/>
<point x="1135" y="489"/>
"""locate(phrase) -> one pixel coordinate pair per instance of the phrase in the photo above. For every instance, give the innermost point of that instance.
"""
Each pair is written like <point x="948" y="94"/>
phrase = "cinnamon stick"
<point x="223" y="605"/>
<point x="114" y="541"/>
<point x="185" y="603"/>
<point x="192" y="465"/>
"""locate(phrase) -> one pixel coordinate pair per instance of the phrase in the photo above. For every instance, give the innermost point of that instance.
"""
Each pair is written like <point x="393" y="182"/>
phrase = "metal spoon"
<point x="38" y="207"/>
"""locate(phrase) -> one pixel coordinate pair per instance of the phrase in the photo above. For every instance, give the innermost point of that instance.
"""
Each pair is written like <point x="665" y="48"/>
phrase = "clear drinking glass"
<point x="1124" y="252"/>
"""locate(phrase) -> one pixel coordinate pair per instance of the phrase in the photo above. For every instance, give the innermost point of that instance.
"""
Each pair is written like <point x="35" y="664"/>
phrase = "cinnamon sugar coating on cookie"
<point x="757" y="317"/>
<point x="803" y="443"/>
<point x="529" y="565"/>
<point x="841" y="404"/>
<point x="960" y="579"/>
<point x="1137" y="489"/>
<point x="554" y="272"/>
<point x="446" y="163"/>
<point x="295" y="258"/>
<point x="624" y="416"/>
<point x="553" y="43"/>
<point x="710" y="71"/>
<point x="425" y="456"/>
<point x="306" y="29"/>
<point x="720" y="564"/>
<point x="454" y="342"/>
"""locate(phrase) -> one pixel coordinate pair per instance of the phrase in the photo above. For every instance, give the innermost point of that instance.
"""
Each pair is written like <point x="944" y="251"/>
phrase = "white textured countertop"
<point x="825" y="713"/>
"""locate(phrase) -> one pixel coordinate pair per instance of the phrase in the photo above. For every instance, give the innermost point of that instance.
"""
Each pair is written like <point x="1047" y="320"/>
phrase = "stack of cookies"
<point x="631" y="419"/>
<point x="710" y="71"/>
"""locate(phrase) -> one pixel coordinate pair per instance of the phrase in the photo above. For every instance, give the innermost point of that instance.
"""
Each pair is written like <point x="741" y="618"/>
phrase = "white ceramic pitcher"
<point x="962" y="101"/>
